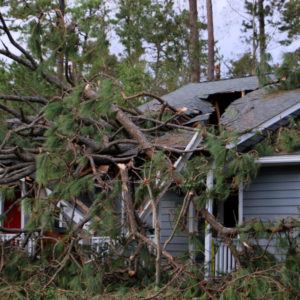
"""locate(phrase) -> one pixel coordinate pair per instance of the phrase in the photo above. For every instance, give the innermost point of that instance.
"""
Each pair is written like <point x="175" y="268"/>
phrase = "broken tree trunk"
<point x="194" y="42"/>
<point x="211" y="42"/>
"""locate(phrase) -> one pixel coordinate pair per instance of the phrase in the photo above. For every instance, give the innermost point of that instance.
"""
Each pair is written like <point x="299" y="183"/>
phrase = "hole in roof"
<point x="221" y="101"/>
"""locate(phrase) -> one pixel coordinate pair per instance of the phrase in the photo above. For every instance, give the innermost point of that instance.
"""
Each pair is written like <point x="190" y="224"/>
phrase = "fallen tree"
<point x="83" y="137"/>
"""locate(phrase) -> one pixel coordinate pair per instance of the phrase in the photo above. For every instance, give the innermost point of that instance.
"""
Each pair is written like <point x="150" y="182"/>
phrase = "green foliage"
<point x="263" y="70"/>
<point x="155" y="173"/>
<point x="230" y="168"/>
<point x="134" y="76"/>
<point x="157" y="29"/>
<point x="289" y="71"/>
<point x="289" y="21"/>
<point x="7" y="193"/>
<point x="53" y="110"/>
<point x="264" y="148"/>
<point x="195" y="175"/>
<point x="242" y="66"/>
<point x="289" y="140"/>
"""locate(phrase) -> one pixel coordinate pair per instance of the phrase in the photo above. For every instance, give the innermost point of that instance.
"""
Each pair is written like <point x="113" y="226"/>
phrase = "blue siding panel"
<point x="167" y="206"/>
<point x="275" y="193"/>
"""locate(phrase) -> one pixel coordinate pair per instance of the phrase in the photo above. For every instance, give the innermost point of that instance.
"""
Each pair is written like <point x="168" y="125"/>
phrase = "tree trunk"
<point x="60" y="25"/>
<point x="254" y="39"/>
<point x="262" y="37"/>
<point x="211" y="41"/>
<point x="194" y="42"/>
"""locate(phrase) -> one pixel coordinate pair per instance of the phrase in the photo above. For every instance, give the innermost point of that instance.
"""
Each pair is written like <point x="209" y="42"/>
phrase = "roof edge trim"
<point x="280" y="159"/>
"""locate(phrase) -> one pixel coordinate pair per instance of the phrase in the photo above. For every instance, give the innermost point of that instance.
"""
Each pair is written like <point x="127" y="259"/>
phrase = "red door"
<point x="13" y="219"/>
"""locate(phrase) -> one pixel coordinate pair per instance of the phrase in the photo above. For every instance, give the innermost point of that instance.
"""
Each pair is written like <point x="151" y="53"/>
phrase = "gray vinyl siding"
<point x="274" y="194"/>
<point x="167" y="207"/>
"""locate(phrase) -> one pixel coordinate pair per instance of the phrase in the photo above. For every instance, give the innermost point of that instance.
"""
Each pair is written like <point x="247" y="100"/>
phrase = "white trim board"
<point x="23" y="193"/>
<point x="241" y="203"/>
<point x="279" y="159"/>
<point x="208" y="233"/>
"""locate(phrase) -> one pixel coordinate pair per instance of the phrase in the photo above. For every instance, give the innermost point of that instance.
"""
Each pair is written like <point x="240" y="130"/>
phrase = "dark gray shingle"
<point x="193" y="95"/>
<point x="256" y="108"/>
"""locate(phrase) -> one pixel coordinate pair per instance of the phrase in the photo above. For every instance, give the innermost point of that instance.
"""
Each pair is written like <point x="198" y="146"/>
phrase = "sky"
<point x="228" y="16"/>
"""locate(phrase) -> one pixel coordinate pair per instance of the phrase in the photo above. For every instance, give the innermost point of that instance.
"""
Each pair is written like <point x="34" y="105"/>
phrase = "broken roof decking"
<point x="176" y="139"/>
<point x="193" y="95"/>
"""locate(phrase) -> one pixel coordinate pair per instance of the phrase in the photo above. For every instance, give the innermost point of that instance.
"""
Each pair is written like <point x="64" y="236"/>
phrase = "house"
<point x="274" y="194"/>
<point x="239" y="105"/>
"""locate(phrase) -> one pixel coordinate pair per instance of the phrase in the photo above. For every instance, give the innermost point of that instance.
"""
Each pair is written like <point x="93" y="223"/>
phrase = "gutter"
<point x="278" y="160"/>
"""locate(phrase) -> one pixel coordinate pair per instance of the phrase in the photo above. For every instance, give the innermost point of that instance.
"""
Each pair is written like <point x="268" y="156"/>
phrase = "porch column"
<point x="23" y="193"/>
<point x="241" y="203"/>
<point x="1" y="208"/>
<point x="1" y="204"/>
<point x="191" y="225"/>
<point x="208" y="235"/>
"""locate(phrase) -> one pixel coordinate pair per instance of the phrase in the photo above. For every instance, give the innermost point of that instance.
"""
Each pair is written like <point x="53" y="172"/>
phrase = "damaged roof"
<point x="250" y="112"/>
<point x="175" y="139"/>
<point x="193" y="95"/>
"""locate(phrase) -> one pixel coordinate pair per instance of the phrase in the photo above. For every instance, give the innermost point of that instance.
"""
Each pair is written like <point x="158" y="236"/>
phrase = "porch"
<point x="21" y="241"/>
<point x="222" y="261"/>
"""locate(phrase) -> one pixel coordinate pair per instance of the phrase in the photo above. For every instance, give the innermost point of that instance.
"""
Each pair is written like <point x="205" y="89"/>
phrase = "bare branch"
<point x="10" y="110"/>
<point x="185" y="205"/>
<point x="55" y="80"/>
<point x="134" y="131"/>
<point x="127" y="198"/>
<point x="26" y="172"/>
<point x="143" y="94"/>
<point x="24" y="98"/>
<point x="17" y="58"/>
<point x="5" y="140"/>
<point x="161" y="122"/>
<point x="111" y="159"/>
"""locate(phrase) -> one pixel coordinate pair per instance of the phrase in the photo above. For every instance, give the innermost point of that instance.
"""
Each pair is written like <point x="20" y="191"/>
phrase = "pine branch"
<point x="24" y="98"/>
<point x="17" y="45"/>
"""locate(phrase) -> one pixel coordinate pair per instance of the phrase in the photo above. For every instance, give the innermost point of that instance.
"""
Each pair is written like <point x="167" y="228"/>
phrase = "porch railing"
<point x="223" y="260"/>
<point x="15" y="240"/>
<point x="97" y="243"/>
<point x="100" y="243"/>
